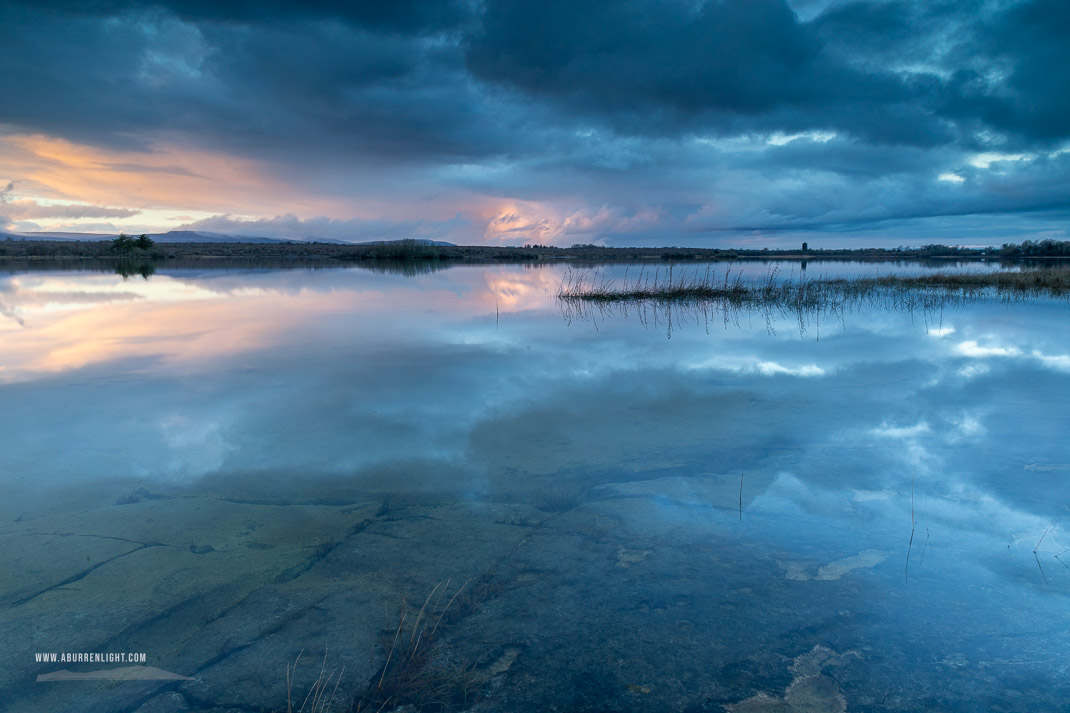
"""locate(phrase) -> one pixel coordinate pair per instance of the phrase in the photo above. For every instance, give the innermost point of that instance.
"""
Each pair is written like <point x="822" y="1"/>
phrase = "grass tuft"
<point x="420" y="672"/>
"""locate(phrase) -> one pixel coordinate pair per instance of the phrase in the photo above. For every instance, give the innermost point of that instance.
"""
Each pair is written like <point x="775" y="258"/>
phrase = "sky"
<point x="758" y="123"/>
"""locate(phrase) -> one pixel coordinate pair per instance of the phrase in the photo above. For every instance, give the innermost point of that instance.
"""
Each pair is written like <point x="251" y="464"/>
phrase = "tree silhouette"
<point x="123" y="244"/>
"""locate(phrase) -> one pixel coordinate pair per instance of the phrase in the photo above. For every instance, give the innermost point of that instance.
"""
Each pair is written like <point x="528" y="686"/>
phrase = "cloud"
<point x="671" y="68"/>
<point x="519" y="222"/>
<point x="316" y="87"/>
<point x="751" y="365"/>
<point x="28" y="209"/>
<point x="289" y="226"/>
<point x="1059" y="362"/>
<point x="5" y="219"/>
<point x="901" y="432"/>
<point x="622" y="120"/>
<point x="398" y="16"/>
<point x="971" y="348"/>
<point x="971" y="371"/>
<point x="966" y="427"/>
<point x="772" y="368"/>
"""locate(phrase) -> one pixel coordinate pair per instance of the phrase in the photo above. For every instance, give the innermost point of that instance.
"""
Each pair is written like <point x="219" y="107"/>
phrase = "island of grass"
<point x="663" y="286"/>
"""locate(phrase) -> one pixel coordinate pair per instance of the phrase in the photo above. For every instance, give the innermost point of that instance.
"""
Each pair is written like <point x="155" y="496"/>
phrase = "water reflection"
<point x="927" y="307"/>
<point x="225" y="468"/>
<point x="127" y="268"/>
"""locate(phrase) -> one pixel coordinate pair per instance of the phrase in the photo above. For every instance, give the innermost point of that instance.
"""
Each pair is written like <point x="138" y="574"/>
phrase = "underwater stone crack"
<point x="166" y="614"/>
<point x="100" y="537"/>
<point x="389" y="536"/>
<point x="284" y="577"/>
<point x="80" y="576"/>
<point x="206" y="705"/>
<point x="203" y="704"/>
<point x="288" y="575"/>
<point x="325" y="549"/>
<point x="346" y="507"/>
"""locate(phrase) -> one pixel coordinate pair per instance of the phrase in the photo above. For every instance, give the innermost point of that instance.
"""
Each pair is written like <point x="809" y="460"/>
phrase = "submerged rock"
<point x="810" y="691"/>
<point x="834" y="570"/>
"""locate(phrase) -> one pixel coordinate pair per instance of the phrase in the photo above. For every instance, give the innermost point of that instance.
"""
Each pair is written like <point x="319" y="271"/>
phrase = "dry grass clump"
<point x="419" y="671"/>
<point x="471" y="597"/>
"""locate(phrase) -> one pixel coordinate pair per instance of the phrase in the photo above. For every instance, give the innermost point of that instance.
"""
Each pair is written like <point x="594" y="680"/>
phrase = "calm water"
<point x="221" y="469"/>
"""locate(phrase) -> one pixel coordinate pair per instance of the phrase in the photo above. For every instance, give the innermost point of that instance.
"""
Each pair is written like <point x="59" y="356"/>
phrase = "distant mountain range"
<point x="200" y="236"/>
<point x="173" y="236"/>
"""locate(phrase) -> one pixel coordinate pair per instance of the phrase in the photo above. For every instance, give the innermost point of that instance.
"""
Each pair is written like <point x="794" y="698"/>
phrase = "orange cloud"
<point x="532" y="289"/>
<point x="163" y="177"/>
<point x="519" y="222"/>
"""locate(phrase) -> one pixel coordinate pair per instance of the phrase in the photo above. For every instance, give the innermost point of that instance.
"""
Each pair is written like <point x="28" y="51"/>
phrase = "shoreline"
<point x="410" y="251"/>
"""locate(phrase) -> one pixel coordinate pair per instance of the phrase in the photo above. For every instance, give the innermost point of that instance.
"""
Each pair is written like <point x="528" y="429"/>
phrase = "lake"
<point x="443" y="488"/>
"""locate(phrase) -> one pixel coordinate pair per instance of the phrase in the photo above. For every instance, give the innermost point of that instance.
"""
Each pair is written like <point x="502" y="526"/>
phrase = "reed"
<point x="741" y="497"/>
<point x="913" y="525"/>
<point x="419" y="673"/>
<point x="1058" y="557"/>
<point x="321" y="694"/>
<point x="1036" y="556"/>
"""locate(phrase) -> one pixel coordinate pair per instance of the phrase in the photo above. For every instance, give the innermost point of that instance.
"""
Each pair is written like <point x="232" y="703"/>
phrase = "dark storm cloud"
<point x="1033" y="43"/>
<point x="315" y="85"/>
<point x="995" y="66"/>
<point x="604" y="102"/>
<point x="397" y="15"/>
<point x="920" y="74"/>
<point x="671" y="68"/>
<point x="409" y="76"/>
<point x="69" y="74"/>
<point x="334" y="86"/>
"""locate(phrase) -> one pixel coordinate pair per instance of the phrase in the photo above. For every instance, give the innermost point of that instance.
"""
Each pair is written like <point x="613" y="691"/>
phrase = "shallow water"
<point x="749" y="512"/>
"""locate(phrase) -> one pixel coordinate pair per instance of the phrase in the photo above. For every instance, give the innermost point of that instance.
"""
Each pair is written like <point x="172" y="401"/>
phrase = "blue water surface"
<point x="645" y="508"/>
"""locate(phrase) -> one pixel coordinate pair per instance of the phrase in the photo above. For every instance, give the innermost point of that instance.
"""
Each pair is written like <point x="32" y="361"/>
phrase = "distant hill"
<point x="173" y="236"/>
<point x="414" y="241"/>
<point x="202" y="236"/>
